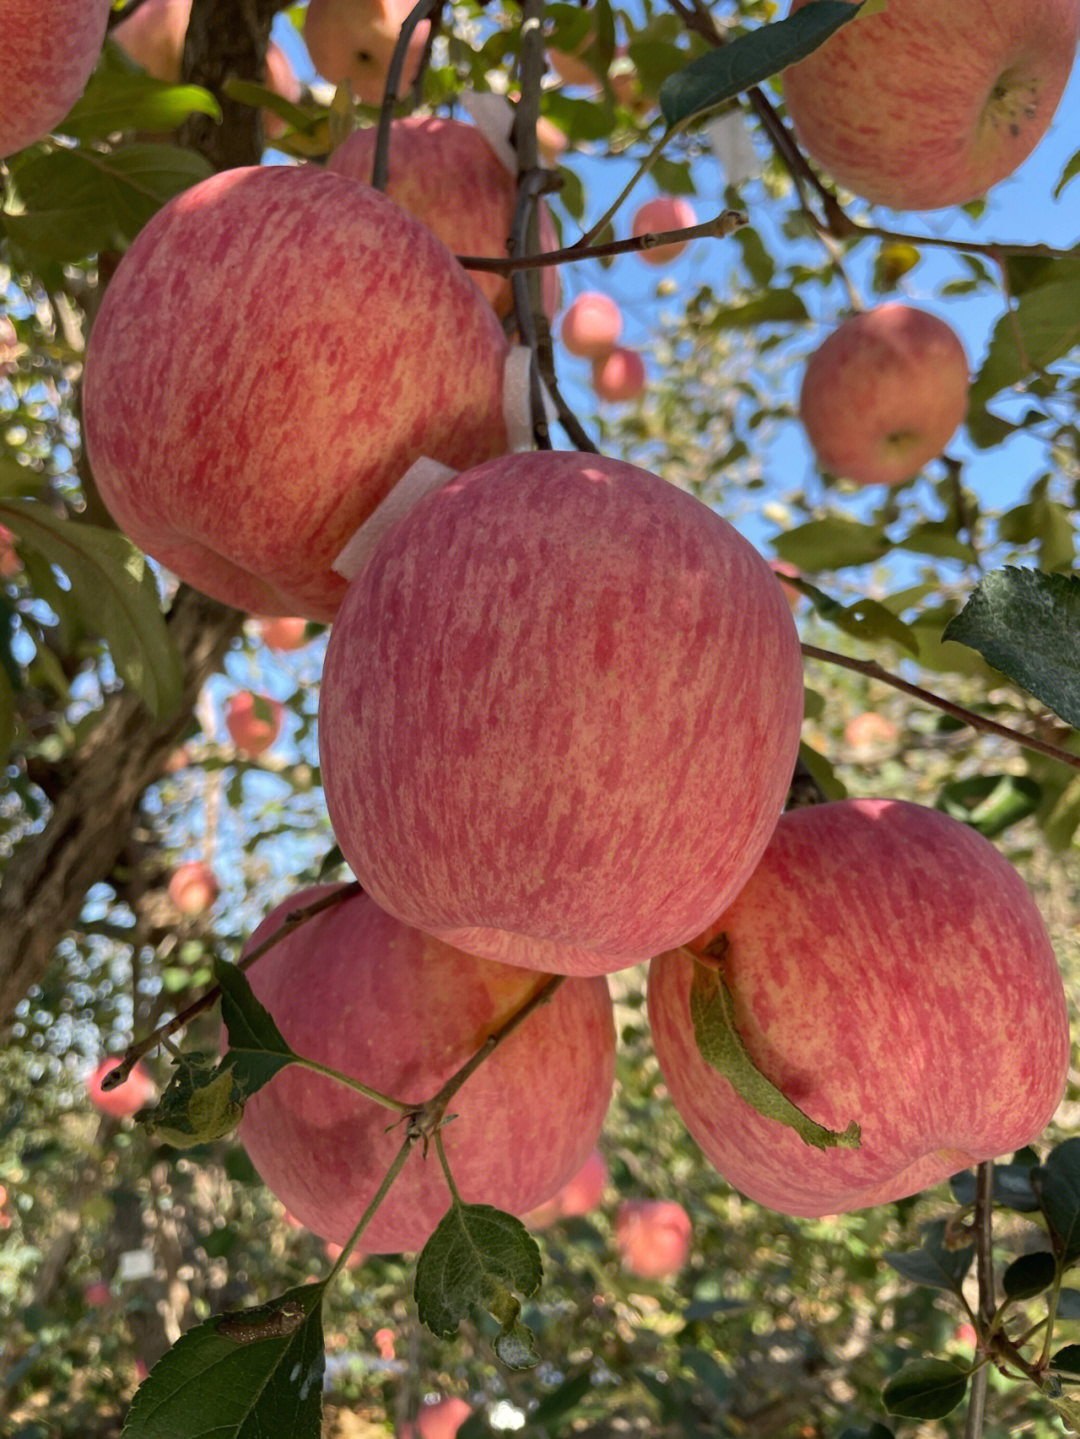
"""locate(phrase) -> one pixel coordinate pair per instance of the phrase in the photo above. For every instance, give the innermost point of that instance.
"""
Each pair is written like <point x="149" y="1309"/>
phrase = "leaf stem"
<point x="365" y="1219"/>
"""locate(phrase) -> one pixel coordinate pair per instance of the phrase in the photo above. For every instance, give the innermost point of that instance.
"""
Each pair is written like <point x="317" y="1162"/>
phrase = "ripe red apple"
<point x="440" y="1420"/>
<point x="127" y="1098"/>
<point x="333" y="1253"/>
<point x="283" y="632"/>
<point x="253" y="721"/>
<point x="551" y="140"/>
<point x="924" y="104"/>
<point x="889" y="967"/>
<point x="591" y="326"/>
<point x="47" y="52"/>
<point x="619" y="375"/>
<point x="96" y="1295"/>
<point x="354" y="40"/>
<point x="193" y="887"/>
<point x="10" y="563"/>
<point x="869" y="731"/>
<point x="884" y="393"/>
<point x="653" y="1237"/>
<point x="360" y="992"/>
<point x="780" y="569"/>
<point x="559" y="697"/>
<point x="666" y="212"/>
<point x="578" y="1196"/>
<point x="446" y="175"/>
<point x="275" y="350"/>
<point x="384" y="1343"/>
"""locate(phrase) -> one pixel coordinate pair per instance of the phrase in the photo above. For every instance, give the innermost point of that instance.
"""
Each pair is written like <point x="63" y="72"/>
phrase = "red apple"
<point x="283" y="632"/>
<point x="889" y="967"/>
<point x="127" y="1098"/>
<point x="446" y="175"/>
<point x="47" y="52"/>
<point x="578" y="1196"/>
<point x="440" y="1420"/>
<point x="351" y="979"/>
<point x="591" y="326"/>
<point x="559" y="697"/>
<point x="884" y="393"/>
<point x="275" y="350"/>
<point x="354" y="40"/>
<point x="780" y="569"/>
<point x="97" y="1295"/>
<point x="193" y="887"/>
<point x="9" y="346"/>
<point x="551" y="140"/>
<point x="870" y="731"/>
<point x="10" y="563"/>
<point x="666" y="212"/>
<point x="253" y="721"/>
<point x="333" y="1253"/>
<point x="619" y="375"/>
<point x="653" y="1237"/>
<point x="924" y="104"/>
<point x="384" y="1343"/>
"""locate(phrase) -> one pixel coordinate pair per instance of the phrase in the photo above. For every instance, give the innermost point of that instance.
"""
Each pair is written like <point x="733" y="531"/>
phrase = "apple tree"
<point x="468" y="745"/>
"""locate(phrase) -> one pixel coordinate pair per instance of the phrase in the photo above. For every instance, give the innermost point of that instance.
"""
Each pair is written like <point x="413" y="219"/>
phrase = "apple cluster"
<point x="561" y="702"/>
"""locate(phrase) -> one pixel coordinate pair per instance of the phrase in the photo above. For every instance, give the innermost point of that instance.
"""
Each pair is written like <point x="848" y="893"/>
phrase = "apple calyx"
<point x="712" y="1013"/>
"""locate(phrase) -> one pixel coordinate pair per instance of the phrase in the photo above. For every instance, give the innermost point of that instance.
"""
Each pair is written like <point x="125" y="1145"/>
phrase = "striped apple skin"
<point x="890" y="967"/>
<point x="561" y="698"/>
<point x="926" y="104"/>
<point x="276" y="348"/>
<point x="47" y="53"/>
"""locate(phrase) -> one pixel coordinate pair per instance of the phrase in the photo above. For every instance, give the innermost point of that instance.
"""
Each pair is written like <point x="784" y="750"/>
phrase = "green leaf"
<point x="1057" y="1183"/>
<point x="935" y="1265"/>
<point x="866" y="1431"/>
<point x="1070" y="172"/>
<point x="1067" y="1360"/>
<point x="990" y="803"/>
<point x="119" y="97"/>
<point x="7" y="716"/>
<point x="77" y="202"/>
<point x="820" y="767"/>
<point x="937" y="538"/>
<point x="1047" y="523"/>
<point x="777" y="306"/>
<point x="925" y="1389"/>
<point x="865" y="619"/>
<point x="117" y="597"/>
<point x="239" y="1376"/>
<point x="257" y="1049"/>
<point x="201" y="1103"/>
<point x="562" y="1400"/>
<point x="712" y="1012"/>
<point x="1041" y="327"/>
<point x="1029" y="1275"/>
<point x="480" y="1259"/>
<point x="1068" y="1411"/>
<point x="1025" y="624"/>
<point x="832" y="544"/>
<point x="724" y="73"/>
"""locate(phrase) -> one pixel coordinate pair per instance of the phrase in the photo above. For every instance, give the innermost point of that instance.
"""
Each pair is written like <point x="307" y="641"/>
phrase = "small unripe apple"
<point x="666" y="212"/>
<point x="925" y="104"/>
<point x="440" y="1420"/>
<point x="884" y="393"/>
<point x="619" y="375"/>
<point x="193" y="887"/>
<point x="276" y="348"/>
<point x="653" y="1237"/>
<point x="137" y="1090"/>
<point x="283" y="632"/>
<point x="870" y="731"/>
<point x="350" y="978"/>
<point x="253" y="722"/>
<point x="560" y="695"/>
<point x="591" y="326"/>
<point x="47" y="51"/>
<point x="887" y="967"/>
<point x="354" y="40"/>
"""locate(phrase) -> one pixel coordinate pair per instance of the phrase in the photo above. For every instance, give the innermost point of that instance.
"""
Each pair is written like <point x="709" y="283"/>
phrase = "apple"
<point x="619" y="375"/>
<point x="653" y="1237"/>
<point x="591" y="326"/>
<point x="887" y="966"/>
<point x="253" y="721"/>
<point x="666" y="212"/>
<point x="780" y="569"/>
<point x="193" y="887"/>
<point x="559" y="697"/>
<point x="440" y="1420"/>
<point x="283" y="632"/>
<point x="153" y="36"/>
<point x="9" y="346"/>
<point x="401" y="1011"/>
<point x="353" y="40"/>
<point x="127" y="1098"/>
<point x="578" y="1196"/>
<point x="446" y="175"/>
<point x="884" y="393"/>
<point x="384" y="1343"/>
<point x="924" y="105"/>
<point x="47" y="52"/>
<point x="870" y="731"/>
<point x="333" y="1253"/>
<point x="179" y="759"/>
<point x="551" y="140"/>
<point x="97" y="1295"/>
<point x="275" y="350"/>
<point x="10" y="563"/>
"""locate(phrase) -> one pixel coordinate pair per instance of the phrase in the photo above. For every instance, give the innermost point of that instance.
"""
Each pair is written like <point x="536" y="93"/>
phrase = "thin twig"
<point x="726" y="223"/>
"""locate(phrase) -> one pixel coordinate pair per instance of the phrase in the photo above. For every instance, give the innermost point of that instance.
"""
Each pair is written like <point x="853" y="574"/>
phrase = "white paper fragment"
<point x="493" y="116"/>
<point x="731" y="142"/>
<point x="418" y="480"/>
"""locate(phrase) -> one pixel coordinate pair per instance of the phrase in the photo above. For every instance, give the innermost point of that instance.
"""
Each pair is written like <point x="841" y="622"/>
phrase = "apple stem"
<point x="872" y="670"/>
